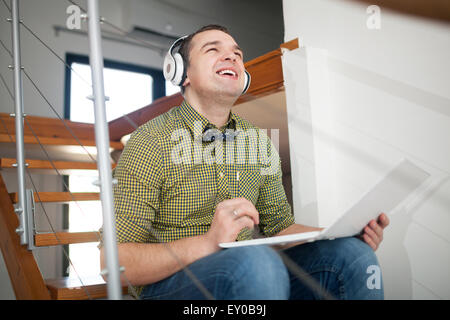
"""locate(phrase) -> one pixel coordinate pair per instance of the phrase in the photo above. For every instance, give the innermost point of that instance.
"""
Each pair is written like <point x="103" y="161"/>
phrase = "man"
<point x="172" y="211"/>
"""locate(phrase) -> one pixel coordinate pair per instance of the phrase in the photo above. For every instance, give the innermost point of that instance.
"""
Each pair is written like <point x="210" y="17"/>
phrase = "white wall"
<point x="389" y="98"/>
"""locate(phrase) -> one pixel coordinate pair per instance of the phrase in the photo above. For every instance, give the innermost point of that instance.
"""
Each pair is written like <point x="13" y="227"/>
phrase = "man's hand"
<point x="230" y="218"/>
<point x="373" y="233"/>
<point x="294" y="228"/>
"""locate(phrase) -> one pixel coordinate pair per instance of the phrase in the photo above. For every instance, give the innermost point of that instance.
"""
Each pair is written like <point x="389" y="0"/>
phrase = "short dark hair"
<point x="185" y="47"/>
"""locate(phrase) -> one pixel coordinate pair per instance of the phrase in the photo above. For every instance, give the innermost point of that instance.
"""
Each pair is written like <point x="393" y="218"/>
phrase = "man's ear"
<point x="186" y="82"/>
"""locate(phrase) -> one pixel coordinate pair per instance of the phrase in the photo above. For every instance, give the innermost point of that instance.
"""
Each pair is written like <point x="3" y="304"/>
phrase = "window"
<point x="127" y="91"/>
<point x="171" y="89"/>
<point x="128" y="87"/>
<point x="83" y="216"/>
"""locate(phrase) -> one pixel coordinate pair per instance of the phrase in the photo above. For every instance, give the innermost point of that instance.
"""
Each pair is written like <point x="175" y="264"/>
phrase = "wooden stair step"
<point x="7" y="163"/>
<point x="48" y="239"/>
<point x="73" y="289"/>
<point x="45" y="166"/>
<point x="59" y="197"/>
<point x="117" y="145"/>
<point x="52" y="131"/>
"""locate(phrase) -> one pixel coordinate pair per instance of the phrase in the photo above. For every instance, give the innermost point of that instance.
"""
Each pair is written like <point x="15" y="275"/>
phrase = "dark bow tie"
<point x="211" y="134"/>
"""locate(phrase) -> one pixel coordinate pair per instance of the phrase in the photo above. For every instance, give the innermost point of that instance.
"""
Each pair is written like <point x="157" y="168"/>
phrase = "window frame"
<point x="159" y="83"/>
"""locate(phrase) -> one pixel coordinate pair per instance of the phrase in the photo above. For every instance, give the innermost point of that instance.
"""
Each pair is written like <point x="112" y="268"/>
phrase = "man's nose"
<point x="229" y="55"/>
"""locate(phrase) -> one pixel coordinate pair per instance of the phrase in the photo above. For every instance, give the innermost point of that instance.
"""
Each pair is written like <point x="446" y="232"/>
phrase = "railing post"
<point x="21" y="209"/>
<point x="104" y="164"/>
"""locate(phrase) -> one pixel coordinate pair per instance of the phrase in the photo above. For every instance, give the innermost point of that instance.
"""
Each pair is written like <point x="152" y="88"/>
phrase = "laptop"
<point x="385" y="196"/>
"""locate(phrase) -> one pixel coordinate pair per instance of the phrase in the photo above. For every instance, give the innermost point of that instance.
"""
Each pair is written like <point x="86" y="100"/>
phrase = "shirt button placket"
<point x="222" y="182"/>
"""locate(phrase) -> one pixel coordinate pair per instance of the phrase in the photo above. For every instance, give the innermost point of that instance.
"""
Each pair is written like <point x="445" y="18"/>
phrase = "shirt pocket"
<point x="249" y="183"/>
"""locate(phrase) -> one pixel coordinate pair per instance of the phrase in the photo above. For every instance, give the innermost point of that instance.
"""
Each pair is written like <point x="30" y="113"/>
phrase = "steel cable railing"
<point x="42" y="147"/>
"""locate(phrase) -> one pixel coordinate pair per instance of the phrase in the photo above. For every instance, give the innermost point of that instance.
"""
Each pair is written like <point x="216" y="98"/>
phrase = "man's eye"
<point x="238" y="54"/>
<point x="211" y="49"/>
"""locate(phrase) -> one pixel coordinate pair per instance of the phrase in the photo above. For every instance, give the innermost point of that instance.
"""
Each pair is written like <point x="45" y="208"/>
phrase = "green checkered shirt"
<point x="169" y="181"/>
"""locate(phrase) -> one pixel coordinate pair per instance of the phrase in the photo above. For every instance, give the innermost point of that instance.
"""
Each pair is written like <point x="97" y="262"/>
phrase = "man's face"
<point x="216" y="65"/>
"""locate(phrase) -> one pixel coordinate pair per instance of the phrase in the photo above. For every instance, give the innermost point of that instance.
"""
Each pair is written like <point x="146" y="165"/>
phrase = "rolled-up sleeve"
<point x="273" y="207"/>
<point x="139" y="175"/>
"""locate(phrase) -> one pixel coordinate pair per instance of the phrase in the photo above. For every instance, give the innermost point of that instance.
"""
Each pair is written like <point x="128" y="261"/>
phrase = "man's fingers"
<point x="247" y="210"/>
<point x="244" y="222"/>
<point x="369" y="241"/>
<point x="383" y="220"/>
<point x="371" y="233"/>
<point x="242" y="206"/>
<point x="377" y="229"/>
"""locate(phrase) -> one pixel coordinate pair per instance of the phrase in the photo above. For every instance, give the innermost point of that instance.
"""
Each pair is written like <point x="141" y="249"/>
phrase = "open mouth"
<point x="227" y="73"/>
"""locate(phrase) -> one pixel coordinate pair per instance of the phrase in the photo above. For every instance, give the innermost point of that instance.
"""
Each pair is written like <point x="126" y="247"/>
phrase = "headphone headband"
<point x="176" y="42"/>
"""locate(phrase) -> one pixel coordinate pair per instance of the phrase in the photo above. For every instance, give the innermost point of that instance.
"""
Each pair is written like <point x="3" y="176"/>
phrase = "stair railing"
<point x="23" y="210"/>
<point x="102" y="142"/>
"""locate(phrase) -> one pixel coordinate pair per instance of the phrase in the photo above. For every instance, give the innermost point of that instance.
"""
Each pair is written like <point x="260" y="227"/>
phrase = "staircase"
<point x="58" y="140"/>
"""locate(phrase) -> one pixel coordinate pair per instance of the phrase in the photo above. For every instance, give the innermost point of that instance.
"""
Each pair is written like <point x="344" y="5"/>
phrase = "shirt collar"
<point x="192" y="117"/>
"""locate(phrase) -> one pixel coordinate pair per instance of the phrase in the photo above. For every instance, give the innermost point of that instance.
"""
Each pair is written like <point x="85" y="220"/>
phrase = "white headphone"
<point x="175" y="72"/>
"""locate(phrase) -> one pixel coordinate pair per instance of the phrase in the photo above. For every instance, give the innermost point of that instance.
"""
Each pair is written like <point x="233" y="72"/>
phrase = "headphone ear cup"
<point x="179" y="70"/>
<point x="247" y="81"/>
<point x="173" y="64"/>
<point x="169" y="67"/>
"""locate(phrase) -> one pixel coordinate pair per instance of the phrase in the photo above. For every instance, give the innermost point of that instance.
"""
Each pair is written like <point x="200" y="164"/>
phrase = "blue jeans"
<point x="344" y="268"/>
